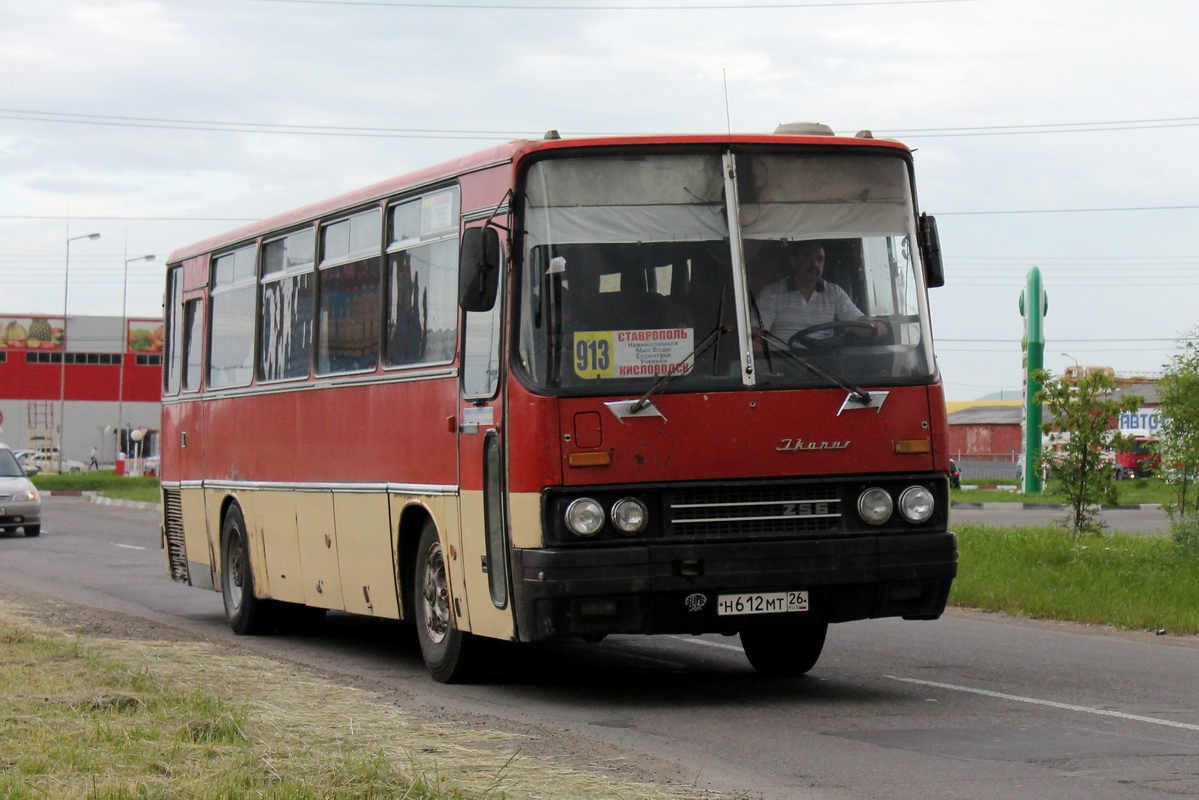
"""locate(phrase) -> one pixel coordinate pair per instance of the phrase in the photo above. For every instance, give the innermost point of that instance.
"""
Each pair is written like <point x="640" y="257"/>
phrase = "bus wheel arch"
<point x="246" y="613"/>
<point x="412" y="523"/>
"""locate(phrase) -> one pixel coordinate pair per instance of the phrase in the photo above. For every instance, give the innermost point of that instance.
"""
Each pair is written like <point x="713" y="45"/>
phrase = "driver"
<point x="803" y="298"/>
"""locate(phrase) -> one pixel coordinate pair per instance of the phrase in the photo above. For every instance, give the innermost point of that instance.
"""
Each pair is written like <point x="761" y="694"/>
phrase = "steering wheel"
<point x="838" y="333"/>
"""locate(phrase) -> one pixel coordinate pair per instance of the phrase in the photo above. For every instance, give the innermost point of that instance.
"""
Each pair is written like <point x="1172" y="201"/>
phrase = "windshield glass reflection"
<point x="628" y="263"/>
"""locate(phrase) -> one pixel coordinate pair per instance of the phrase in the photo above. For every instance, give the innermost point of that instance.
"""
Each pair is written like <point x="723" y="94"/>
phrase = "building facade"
<point x="80" y="383"/>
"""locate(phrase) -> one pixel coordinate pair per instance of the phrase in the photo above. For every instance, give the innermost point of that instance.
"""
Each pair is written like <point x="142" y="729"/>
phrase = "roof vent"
<point x="804" y="129"/>
<point x="552" y="134"/>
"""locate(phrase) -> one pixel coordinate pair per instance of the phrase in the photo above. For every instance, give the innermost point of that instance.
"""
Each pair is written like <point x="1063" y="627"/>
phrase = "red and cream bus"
<point x="523" y="396"/>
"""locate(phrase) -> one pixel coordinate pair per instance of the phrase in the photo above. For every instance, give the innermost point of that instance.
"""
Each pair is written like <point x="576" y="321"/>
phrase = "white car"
<point x="47" y="461"/>
<point x="20" y="503"/>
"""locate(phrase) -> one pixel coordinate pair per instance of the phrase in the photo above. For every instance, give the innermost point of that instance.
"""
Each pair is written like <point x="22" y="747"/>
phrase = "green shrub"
<point x="1185" y="530"/>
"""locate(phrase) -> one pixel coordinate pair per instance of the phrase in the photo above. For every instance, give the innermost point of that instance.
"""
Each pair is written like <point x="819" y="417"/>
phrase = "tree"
<point x="1178" y="437"/>
<point x="1081" y="430"/>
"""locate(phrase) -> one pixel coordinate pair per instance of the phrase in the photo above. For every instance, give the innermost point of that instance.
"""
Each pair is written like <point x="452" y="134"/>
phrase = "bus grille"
<point x="172" y="505"/>
<point x="753" y="510"/>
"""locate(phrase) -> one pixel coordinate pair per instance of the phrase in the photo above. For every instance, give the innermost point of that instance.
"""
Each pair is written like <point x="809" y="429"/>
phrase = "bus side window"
<point x="421" y="280"/>
<point x="173" y="365"/>
<point x="481" y="353"/>
<point x="193" y="344"/>
<point x="349" y="294"/>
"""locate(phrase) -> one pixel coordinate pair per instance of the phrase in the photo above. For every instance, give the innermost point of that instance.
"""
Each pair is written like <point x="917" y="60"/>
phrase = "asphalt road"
<point x="970" y="706"/>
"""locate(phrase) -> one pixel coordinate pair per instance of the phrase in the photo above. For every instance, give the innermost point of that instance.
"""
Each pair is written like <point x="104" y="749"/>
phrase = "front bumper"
<point x="672" y="588"/>
<point x="14" y="513"/>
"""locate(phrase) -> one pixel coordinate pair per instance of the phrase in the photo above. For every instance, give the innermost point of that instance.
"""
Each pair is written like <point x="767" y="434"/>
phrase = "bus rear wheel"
<point x="449" y="653"/>
<point x="247" y="614"/>
<point x="784" y="652"/>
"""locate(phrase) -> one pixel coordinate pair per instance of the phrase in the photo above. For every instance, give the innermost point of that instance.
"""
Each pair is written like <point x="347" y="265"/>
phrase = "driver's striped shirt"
<point x="784" y="311"/>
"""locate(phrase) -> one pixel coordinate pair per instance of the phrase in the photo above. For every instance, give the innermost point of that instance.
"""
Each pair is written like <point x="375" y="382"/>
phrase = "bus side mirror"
<point x="930" y="252"/>
<point x="479" y="269"/>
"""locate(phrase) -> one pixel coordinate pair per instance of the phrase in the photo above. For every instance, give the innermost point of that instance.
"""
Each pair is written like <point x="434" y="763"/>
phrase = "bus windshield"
<point x="630" y="271"/>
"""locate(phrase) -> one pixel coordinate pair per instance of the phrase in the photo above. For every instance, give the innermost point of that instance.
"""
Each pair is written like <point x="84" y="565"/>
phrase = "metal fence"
<point x="975" y="471"/>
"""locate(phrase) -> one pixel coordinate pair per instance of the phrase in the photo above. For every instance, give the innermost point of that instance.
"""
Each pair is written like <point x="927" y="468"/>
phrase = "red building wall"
<point x="20" y="380"/>
<point x="985" y="442"/>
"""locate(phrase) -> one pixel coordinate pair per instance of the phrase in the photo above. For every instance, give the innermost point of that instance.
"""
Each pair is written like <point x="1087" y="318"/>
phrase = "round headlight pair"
<point x="916" y="505"/>
<point x="585" y="517"/>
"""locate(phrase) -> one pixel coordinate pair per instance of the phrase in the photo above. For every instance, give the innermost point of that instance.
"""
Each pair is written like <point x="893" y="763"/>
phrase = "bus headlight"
<point x="874" y="505"/>
<point x="916" y="504"/>
<point x="630" y="515"/>
<point x="584" y="517"/>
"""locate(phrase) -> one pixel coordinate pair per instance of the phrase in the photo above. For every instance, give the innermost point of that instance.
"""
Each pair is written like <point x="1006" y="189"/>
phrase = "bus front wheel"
<point x="448" y="651"/>
<point x="246" y="613"/>
<point x="784" y="652"/>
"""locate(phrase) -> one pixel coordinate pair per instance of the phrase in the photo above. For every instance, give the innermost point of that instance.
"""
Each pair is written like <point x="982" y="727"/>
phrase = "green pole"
<point x="1033" y="306"/>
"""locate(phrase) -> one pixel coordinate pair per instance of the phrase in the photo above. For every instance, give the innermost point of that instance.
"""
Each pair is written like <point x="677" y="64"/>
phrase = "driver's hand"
<point x="759" y="341"/>
<point x="880" y="328"/>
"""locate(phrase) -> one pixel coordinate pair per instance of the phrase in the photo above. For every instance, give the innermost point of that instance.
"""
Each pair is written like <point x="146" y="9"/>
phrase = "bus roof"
<point x="500" y="154"/>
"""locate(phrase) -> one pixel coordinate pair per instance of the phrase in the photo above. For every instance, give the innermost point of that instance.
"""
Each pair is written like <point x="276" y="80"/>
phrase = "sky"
<point x="1059" y="134"/>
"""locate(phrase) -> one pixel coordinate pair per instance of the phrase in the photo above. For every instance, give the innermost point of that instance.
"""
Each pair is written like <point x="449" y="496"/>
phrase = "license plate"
<point x="762" y="603"/>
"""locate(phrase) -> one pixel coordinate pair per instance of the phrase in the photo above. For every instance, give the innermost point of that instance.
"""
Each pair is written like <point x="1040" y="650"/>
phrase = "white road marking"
<point x="127" y="546"/>
<point x="721" y="645"/>
<point x="1050" y="703"/>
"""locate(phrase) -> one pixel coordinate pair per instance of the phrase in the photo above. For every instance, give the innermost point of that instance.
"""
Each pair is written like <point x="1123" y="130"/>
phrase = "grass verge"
<point x="101" y="481"/>
<point x="111" y="719"/>
<point x="1135" y="582"/>
<point x="1129" y="493"/>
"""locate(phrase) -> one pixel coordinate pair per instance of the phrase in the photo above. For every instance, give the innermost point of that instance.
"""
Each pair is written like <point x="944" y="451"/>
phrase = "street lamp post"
<point x="124" y="344"/>
<point x="62" y="376"/>
<point x="1077" y="368"/>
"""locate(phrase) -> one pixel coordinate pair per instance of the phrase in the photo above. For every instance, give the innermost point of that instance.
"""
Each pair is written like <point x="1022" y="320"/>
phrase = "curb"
<point x="112" y="501"/>
<point x="92" y="497"/>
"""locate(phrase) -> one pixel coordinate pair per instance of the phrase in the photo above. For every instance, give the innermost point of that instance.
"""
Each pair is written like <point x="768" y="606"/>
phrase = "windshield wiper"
<point x="674" y="371"/>
<point x="790" y="355"/>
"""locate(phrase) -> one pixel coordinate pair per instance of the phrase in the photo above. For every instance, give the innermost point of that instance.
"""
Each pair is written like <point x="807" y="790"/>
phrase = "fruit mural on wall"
<point x="32" y="333"/>
<point x="145" y="336"/>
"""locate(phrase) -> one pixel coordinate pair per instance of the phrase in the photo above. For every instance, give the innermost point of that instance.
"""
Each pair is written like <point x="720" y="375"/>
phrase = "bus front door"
<point x="482" y="485"/>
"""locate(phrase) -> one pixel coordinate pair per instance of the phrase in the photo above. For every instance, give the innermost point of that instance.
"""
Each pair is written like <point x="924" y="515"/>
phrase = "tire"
<point x="449" y="653"/>
<point x="247" y="614"/>
<point x="784" y="652"/>
<point x="33" y="530"/>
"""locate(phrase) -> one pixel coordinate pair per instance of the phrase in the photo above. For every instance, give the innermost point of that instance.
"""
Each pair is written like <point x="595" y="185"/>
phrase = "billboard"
<point x="144" y="335"/>
<point x="33" y="333"/>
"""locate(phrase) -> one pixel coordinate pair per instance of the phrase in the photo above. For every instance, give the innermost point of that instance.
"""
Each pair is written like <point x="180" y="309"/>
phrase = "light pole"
<point x="1077" y="368"/>
<point x="62" y="375"/>
<point x="124" y="343"/>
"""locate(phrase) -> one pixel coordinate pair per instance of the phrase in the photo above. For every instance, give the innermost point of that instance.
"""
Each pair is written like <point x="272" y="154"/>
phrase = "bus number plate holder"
<point x="728" y="605"/>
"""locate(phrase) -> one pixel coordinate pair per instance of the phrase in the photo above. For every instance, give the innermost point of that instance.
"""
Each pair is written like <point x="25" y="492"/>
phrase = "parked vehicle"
<point x="20" y="503"/>
<point x="26" y="463"/>
<point x="1138" y="461"/>
<point x="955" y="475"/>
<point x="48" y="461"/>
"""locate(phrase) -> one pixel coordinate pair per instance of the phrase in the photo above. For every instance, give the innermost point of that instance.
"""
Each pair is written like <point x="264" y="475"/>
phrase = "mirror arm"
<point x="508" y="197"/>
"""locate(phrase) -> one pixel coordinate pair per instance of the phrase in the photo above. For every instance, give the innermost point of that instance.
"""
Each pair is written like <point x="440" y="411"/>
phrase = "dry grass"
<point x="101" y="718"/>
